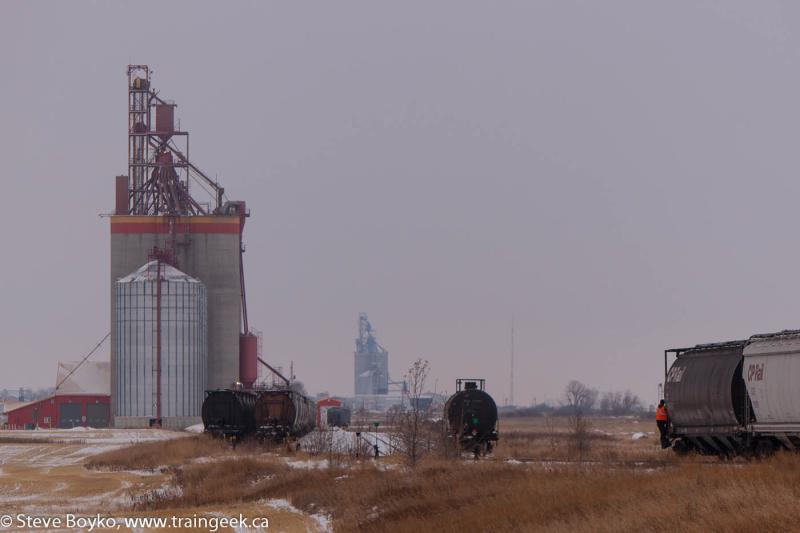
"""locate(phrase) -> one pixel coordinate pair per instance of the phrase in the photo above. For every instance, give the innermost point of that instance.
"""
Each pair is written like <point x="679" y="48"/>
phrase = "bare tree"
<point x="319" y="442"/>
<point x="611" y="402"/>
<point x="580" y="435"/>
<point x="631" y="403"/>
<point x="618" y="403"/>
<point x="578" y="397"/>
<point x="360" y="418"/>
<point x="411" y="418"/>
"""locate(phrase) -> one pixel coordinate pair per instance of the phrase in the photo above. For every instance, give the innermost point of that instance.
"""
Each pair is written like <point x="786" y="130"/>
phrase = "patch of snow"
<point x="309" y="464"/>
<point x="168" y="490"/>
<point x="284" y="505"/>
<point x="323" y="522"/>
<point x="96" y="436"/>
<point x="343" y="441"/>
<point x="197" y="428"/>
<point x="638" y="435"/>
<point x="154" y="472"/>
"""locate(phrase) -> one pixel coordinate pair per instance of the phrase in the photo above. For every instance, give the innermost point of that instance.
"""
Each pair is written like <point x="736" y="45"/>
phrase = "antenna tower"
<point x="511" y="395"/>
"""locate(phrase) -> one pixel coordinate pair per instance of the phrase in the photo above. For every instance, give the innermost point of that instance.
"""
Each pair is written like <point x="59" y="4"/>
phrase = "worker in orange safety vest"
<point x="662" y="421"/>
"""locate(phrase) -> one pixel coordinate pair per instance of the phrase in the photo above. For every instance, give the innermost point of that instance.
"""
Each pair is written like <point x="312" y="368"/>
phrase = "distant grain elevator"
<point x="371" y="361"/>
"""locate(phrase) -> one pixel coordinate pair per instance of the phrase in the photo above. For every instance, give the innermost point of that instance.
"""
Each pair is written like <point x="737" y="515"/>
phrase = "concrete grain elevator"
<point x="159" y="220"/>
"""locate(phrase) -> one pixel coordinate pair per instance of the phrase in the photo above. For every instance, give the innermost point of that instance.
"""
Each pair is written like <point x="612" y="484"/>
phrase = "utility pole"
<point x="511" y="395"/>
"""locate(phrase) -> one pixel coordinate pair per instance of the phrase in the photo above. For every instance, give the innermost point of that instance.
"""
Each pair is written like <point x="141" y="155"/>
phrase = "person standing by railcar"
<point x="662" y="421"/>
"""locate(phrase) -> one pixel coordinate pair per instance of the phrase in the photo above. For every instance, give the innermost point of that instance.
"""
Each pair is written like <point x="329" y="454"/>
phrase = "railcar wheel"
<point x="764" y="449"/>
<point x="681" y="447"/>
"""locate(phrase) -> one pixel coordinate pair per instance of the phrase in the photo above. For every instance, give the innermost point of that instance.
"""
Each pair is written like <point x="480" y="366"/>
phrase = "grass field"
<point x="533" y="482"/>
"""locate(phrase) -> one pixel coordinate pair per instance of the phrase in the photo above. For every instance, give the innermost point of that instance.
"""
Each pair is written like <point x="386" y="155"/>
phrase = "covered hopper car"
<point x="282" y="413"/>
<point x="737" y="397"/>
<point x="471" y="416"/>
<point x="229" y="412"/>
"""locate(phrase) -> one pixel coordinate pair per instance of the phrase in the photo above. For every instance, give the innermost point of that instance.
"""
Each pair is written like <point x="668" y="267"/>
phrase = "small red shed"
<point x="322" y="406"/>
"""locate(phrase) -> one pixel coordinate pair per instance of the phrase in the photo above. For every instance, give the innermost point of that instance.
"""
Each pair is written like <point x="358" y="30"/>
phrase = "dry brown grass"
<point x="152" y="455"/>
<point x="495" y="496"/>
<point x="33" y="440"/>
<point x="610" y="492"/>
<point x="223" y="482"/>
<point x="552" y="439"/>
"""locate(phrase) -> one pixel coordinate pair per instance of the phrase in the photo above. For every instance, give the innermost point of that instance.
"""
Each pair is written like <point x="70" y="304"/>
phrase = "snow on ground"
<point x="156" y="471"/>
<point x="638" y="435"/>
<point x="280" y="503"/>
<point x="93" y="436"/>
<point x="309" y="464"/>
<point x="322" y="521"/>
<point x="342" y="440"/>
<point x="197" y="428"/>
<point x="60" y="447"/>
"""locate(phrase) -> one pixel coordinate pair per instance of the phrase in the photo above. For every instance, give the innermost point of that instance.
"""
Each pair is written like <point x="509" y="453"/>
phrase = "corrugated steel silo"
<point x="161" y="337"/>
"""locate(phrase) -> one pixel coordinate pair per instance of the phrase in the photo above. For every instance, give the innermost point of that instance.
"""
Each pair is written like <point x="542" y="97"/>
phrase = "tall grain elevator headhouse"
<point x="172" y="217"/>
<point x="371" y="361"/>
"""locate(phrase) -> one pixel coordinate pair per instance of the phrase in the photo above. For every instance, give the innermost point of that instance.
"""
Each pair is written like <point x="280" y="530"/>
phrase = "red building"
<point x="81" y="399"/>
<point x="322" y="408"/>
<point x="62" y="411"/>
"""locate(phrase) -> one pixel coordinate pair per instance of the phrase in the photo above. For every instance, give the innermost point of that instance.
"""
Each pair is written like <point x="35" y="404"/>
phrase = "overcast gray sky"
<point x="619" y="176"/>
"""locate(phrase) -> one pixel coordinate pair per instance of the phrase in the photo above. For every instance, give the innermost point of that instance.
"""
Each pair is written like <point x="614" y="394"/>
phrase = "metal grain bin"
<point x="772" y="372"/>
<point x="161" y="347"/>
